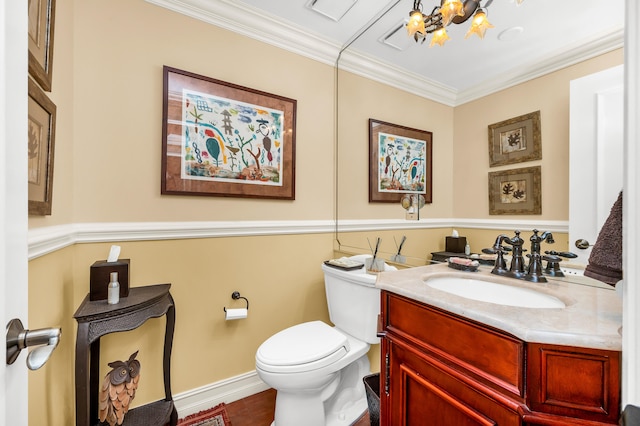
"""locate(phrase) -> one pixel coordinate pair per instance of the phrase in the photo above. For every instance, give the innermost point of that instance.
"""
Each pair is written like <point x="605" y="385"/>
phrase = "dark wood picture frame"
<point x="40" y="34"/>
<point x="516" y="191"/>
<point x="41" y="149"/>
<point x="515" y="140"/>
<point x="400" y="162"/>
<point x="221" y="139"/>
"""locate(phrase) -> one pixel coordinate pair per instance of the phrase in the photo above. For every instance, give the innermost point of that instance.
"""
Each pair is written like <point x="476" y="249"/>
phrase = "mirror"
<point x="359" y="99"/>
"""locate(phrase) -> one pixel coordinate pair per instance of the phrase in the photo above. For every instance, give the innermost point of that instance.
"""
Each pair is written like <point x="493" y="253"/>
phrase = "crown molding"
<point x="399" y="78"/>
<point x="570" y="56"/>
<point x="238" y="18"/>
<point x="42" y="241"/>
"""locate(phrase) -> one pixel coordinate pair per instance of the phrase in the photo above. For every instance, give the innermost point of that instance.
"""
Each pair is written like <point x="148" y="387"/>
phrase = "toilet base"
<point x="341" y="403"/>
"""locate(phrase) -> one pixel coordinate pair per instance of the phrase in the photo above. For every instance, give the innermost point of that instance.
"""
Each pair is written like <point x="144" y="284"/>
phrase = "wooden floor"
<point x="258" y="409"/>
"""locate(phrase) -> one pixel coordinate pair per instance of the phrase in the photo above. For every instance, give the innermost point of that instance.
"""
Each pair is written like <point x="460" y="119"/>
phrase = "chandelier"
<point x="449" y="11"/>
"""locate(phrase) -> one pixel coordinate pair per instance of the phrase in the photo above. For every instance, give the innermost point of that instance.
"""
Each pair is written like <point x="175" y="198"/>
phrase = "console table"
<point x="96" y="319"/>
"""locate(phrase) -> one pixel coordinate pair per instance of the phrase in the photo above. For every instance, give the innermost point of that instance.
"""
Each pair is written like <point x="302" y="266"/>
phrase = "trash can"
<point x="372" y="388"/>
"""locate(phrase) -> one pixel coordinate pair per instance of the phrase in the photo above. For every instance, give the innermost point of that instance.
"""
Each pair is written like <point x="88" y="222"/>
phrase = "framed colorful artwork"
<point x="41" y="144"/>
<point x="515" y="191"/>
<point x="400" y="162"/>
<point x="221" y="139"/>
<point x="40" y="31"/>
<point x="515" y="140"/>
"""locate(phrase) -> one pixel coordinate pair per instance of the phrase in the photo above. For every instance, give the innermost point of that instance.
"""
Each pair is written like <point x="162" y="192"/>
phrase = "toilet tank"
<point x="353" y="300"/>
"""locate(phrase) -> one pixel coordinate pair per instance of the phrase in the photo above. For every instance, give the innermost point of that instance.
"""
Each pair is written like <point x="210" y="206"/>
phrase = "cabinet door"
<point x="574" y="382"/>
<point x="423" y="391"/>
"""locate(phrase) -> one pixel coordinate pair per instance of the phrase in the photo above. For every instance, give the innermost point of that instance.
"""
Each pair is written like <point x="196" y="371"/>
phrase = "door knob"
<point x="18" y="338"/>
<point x="582" y="244"/>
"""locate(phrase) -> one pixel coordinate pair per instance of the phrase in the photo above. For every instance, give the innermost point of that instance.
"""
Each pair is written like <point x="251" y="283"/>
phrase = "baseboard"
<point x="227" y="391"/>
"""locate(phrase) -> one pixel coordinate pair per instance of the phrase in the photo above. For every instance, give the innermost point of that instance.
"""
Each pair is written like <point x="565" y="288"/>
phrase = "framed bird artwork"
<point x="400" y="162"/>
<point x="118" y="390"/>
<point x="221" y="139"/>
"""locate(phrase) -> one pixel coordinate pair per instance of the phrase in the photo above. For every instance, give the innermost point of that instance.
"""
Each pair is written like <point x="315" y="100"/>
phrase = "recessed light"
<point x="510" y="33"/>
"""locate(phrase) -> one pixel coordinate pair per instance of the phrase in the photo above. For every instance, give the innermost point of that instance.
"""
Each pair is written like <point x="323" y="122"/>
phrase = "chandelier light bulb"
<point x="479" y="24"/>
<point x="440" y="36"/>
<point x="416" y="23"/>
<point x="450" y="9"/>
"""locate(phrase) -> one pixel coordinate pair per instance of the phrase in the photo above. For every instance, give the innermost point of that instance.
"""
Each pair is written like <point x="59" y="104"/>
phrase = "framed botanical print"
<point x="40" y="34"/>
<point x="41" y="144"/>
<point x="515" y="191"/>
<point x="515" y="140"/>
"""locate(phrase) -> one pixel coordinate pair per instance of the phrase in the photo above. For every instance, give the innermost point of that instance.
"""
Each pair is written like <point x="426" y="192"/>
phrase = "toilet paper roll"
<point x="234" y="314"/>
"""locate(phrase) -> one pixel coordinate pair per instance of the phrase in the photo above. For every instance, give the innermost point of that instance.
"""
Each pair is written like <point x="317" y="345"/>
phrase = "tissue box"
<point x="455" y="244"/>
<point x="100" y="275"/>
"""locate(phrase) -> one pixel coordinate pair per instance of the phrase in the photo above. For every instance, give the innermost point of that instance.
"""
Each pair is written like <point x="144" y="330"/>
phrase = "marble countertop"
<point x="592" y="317"/>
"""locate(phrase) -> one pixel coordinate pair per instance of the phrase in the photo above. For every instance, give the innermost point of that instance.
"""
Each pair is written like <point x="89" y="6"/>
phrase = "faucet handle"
<point x="551" y="257"/>
<point x="566" y="254"/>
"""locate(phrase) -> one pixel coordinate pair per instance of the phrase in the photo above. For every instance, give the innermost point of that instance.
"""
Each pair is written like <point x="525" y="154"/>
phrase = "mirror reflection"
<point x="460" y="201"/>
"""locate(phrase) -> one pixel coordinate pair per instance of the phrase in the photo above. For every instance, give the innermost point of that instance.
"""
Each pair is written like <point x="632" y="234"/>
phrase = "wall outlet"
<point x="411" y="216"/>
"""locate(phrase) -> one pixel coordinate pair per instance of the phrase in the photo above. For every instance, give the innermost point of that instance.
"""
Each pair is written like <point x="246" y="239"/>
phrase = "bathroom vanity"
<point x="452" y="360"/>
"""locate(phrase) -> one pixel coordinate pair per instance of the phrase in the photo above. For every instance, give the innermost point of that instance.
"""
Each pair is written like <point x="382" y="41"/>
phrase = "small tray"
<point x="344" y="264"/>
<point x="470" y="268"/>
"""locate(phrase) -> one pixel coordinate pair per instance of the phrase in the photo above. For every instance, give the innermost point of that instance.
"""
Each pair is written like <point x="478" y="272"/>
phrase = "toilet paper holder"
<point x="235" y="296"/>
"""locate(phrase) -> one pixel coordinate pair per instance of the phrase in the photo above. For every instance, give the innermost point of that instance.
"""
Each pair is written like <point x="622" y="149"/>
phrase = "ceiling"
<point x="528" y="39"/>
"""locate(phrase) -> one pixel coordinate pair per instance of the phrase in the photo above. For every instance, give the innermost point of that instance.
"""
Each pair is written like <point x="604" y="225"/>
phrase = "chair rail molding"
<point x="42" y="241"/>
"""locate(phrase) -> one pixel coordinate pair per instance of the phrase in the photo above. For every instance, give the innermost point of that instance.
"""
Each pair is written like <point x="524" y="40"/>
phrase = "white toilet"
<point x="317" y="369"/>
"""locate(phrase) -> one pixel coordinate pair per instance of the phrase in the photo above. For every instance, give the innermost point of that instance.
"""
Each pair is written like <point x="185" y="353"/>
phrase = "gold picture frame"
<point x="41" y="144"/>
<point x="40" y="34"/>
<point x="515" y="140"/>
<point x="515" y="191"/>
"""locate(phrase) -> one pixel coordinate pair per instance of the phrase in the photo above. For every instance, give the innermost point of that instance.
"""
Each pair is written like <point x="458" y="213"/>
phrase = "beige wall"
<point x="361" y="99"/>
<point x="107" y="86"/>
<point x="550" y="95"/>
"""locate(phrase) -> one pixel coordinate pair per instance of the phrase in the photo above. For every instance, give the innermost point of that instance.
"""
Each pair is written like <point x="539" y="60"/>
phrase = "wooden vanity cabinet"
<point x="440" y="369"/>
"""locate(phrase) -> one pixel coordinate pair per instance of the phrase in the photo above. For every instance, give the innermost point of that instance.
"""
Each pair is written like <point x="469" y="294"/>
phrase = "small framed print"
<point x="515" y="140"/>
<point x="516" y="191"/>
<point x="40" y="32"/>
<point x="41" y="143"/>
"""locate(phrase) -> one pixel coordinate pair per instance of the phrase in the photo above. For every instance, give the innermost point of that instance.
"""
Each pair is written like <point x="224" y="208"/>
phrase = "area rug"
<point x="216" y="416"/>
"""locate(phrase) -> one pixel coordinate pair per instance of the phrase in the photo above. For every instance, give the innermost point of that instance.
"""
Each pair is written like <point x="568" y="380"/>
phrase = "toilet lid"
<point x="302" y="347"/>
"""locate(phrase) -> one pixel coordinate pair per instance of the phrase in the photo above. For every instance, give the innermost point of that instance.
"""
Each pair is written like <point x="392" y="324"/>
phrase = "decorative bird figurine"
<point x="118" y="390"/>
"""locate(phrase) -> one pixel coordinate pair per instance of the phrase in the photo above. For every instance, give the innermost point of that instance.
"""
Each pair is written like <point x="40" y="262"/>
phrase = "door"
<point x="596" y="154"/>
<point x="13" y="200"/>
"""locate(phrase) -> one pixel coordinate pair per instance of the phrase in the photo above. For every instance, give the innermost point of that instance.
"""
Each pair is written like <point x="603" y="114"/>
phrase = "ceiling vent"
<point x="333" y="9"/>
<point x="397" y="36"/>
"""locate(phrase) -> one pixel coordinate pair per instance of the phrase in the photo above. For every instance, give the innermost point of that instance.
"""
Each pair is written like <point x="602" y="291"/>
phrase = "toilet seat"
<point x="303" y="347"/>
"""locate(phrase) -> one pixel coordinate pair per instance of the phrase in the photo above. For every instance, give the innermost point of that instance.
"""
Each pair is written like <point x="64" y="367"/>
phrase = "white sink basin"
<point x="500" y="294"/>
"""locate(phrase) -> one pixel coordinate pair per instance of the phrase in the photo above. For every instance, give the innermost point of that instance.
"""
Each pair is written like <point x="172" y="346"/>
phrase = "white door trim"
<point x="13" y="201"/>
<point x="631" y="210"/>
